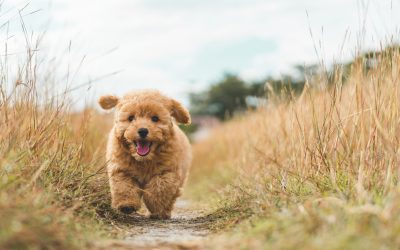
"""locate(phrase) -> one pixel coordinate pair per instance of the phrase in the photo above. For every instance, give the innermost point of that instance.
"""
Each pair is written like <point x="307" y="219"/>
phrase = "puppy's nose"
<point x="143" y="132"/>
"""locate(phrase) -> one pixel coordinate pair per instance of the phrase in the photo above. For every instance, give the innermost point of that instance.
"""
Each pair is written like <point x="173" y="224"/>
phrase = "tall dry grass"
<point x="53" y="190"/>
<point x="320" y="171"/>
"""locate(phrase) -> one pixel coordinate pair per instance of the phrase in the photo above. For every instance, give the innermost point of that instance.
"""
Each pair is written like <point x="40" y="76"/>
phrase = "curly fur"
<point x="158" y="177"/>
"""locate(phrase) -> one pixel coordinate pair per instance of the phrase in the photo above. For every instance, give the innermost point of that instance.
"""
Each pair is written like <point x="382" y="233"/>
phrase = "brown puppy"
<point x="148" y="155"/>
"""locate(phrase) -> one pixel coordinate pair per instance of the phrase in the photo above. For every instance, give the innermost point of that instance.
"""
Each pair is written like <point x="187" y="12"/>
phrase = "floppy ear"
<point x="108" y="101"/>
<point x="180" y="113"/>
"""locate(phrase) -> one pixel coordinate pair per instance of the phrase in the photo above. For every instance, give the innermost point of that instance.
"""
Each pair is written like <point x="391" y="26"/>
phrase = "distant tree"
<point x="222" y="99"/>
<point x="257" y="88"/>
<point x="228" y="96"/>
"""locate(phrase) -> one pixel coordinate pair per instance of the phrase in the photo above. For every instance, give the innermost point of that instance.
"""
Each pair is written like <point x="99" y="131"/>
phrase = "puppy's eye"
<point x="131" y="118"/>
<point x="155" y="118"/>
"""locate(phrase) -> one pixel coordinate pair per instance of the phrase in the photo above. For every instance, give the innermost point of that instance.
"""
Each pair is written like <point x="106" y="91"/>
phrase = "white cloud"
<point x="160" y="42"/>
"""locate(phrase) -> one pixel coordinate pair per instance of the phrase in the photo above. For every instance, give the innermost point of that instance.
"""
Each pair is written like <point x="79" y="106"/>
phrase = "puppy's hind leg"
<point x="125" y="192"/>
<point x="160" y="194"/>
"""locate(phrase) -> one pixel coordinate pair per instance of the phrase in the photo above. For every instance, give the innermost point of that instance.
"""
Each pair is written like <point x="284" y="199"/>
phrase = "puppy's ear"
<point x="108" y="101"/>
<point x="180" y="113"/>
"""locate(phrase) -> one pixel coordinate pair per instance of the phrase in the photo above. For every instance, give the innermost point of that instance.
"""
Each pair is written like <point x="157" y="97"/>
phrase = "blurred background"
<point x="214" y="56"/>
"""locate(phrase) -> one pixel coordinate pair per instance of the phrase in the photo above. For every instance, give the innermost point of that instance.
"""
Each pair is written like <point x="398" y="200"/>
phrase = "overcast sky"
<point x="179" y="46"/>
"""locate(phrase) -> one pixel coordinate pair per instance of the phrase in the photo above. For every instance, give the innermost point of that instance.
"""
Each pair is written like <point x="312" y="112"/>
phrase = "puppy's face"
<point x="143" y="121"/>
<point x="143" y="127"/>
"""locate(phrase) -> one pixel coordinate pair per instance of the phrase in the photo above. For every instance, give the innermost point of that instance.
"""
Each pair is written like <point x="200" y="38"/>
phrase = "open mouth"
<point x="142" y="147"/>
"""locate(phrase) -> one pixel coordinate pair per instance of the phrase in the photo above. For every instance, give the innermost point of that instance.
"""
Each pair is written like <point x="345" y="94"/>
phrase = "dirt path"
<point x="185" y="230"/>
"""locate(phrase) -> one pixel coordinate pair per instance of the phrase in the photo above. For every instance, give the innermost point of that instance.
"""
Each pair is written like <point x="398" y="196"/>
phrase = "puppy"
<point x="148" y="155"/>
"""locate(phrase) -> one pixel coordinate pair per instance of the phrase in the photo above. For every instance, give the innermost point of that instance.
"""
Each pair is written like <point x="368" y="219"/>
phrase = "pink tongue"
<point x="143" y="148"/>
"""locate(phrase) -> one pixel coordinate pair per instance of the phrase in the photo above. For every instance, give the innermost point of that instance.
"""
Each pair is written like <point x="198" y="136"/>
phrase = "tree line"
<point x="232" y="94"/>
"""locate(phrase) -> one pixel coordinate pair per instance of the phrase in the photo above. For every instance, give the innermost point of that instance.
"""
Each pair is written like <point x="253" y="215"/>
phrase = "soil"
<point x="187" y="229"/>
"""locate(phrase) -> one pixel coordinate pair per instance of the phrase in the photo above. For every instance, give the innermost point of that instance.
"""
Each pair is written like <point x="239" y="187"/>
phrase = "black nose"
<point x="143" y="132"/>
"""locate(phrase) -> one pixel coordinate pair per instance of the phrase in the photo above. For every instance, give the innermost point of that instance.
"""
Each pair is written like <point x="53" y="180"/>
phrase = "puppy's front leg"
<point x="160" y="194"/>
<point x="125" y="193"/>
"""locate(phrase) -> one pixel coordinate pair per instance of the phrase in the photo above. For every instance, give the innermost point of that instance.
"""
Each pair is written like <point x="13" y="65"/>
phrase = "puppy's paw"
<point x="127" y="209"/>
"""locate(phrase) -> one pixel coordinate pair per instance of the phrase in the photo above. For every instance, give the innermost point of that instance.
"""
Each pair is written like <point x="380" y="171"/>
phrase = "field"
<point x="318" y="172"/>
<point x="314" y="171"/>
